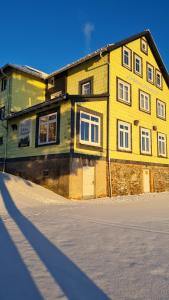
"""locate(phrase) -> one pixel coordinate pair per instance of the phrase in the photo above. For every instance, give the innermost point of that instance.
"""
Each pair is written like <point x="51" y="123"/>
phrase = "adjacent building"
<point x="97" y="127"/>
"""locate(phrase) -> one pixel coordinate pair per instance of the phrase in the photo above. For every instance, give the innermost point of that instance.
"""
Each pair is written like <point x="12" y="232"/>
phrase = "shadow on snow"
<point x="75" y="284"/>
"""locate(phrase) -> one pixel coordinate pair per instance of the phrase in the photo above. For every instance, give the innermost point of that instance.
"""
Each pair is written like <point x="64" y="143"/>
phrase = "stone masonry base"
<point x="64" y="175"/>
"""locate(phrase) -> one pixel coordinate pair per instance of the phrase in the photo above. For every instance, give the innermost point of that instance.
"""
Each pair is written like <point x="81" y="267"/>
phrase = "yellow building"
<point x="96" y="127"/>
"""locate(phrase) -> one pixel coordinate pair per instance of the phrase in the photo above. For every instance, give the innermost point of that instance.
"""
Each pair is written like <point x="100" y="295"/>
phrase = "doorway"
<point x="88" y="181"/>
<point x="146" y="181"/>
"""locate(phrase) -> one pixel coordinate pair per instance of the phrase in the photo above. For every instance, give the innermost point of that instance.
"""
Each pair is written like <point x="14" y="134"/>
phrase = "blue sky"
<point x="49" y="34"/>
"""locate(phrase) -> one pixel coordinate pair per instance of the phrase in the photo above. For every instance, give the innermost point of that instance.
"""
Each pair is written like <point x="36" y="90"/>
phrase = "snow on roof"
<point x="26" y="69"/>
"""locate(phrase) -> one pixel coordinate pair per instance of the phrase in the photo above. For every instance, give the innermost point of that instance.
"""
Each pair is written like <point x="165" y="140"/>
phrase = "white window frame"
<point x="83" y="86"/>
<point x="152" y="69"/>
<point x="146" y="133"/>
<point x="144" y="50"/>
<point x="129" y="65"/>
<point x="162" y="140"/>
<point x="161" y="107"/>
<point x="140" y="64"/>
<point x="158" y="85"/>
<point x="146" y="97"/>
<point x="124" y="85"/>
<point x="90" y="122"/>
<point x="47" y="123"/>
<point x="124" y="132"/>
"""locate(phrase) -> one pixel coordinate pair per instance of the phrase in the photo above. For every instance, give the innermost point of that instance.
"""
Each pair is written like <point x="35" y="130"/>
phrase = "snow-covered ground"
<point x="53" y="248"/>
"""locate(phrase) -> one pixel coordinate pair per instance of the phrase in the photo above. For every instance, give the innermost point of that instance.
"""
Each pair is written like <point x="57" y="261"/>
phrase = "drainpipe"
<point x="108" y="126"/>
<point x="108" y="129"/>
<point x="6" y="127"/>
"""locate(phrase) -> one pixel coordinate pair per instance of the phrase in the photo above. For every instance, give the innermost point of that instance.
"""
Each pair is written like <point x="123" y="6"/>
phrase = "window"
<point x="124" y="136"/>
<point x="161" y="109"/>
<point x="123" y="91"/>
<point x="145" y="141"/>
<point x="3" y="84"/>
<point x="89" y="129"/>
<point x="150" y="73"/>
<point x="144" y="46"/>
<point x="47" y="129"/>
<point x="86" y="86"/>
<point x="144" y="101"/>
<point x="2" y="113"/>
<point x="126" y="58"/>
<point x="1" y="140"/>
<point x="137" y="65"/>
<point x="162" y="144"/>
<point x="158" y="79"/>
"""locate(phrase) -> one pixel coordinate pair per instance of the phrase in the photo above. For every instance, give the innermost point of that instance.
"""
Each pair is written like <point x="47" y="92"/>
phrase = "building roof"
<point x="24" y="69"/>
<point x="111" y="47"/>
<point x="49" y="103"/>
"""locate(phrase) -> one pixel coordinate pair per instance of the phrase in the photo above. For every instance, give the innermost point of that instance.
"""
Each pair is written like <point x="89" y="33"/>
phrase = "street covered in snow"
<point x="53" y="248"/>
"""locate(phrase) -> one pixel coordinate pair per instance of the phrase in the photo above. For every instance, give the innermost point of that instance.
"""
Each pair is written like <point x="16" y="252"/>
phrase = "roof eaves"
<point x="27" y="70"/>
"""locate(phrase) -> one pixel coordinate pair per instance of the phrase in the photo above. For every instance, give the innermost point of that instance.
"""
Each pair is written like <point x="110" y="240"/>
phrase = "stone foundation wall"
<point x="127" y="178"/>
<point x="52" y="173"/>
<point x="64" y="175"/>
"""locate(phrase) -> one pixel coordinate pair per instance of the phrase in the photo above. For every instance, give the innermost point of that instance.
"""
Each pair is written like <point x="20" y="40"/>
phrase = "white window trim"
<point x="90" y="143"/>
<point x="159" y="73"/>
<point x="48" y="122"/>
<point x="164" y="105"/>
<point x="149" y="132"/>
<point x="165" y="143"/>
<point x="143" y="108"/>
<point x="152" y="68"/>
<point x="128" y="66"/>
<point x="129" y="135"/>
<point x="140" y="60"/>
<point x="124" y="83"/>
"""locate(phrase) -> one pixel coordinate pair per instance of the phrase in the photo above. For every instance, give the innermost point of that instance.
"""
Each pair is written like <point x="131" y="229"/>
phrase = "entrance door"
<point x="88" y="182"/>
<point x="146" y="181"/>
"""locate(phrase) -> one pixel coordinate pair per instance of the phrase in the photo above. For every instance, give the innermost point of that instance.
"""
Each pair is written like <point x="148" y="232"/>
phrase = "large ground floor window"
<point x="47" y="131"/>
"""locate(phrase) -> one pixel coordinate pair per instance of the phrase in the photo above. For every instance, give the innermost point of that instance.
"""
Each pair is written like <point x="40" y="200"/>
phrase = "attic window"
<point x="158" y="79"/>
<point x="144" y="46"/>
<point x="3" y="84"/>
<point x="126" y="60"/>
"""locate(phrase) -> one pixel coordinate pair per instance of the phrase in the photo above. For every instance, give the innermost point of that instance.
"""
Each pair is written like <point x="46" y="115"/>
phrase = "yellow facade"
<point x="96" y="68"/>
<point x="25" y="91"/>
<point x="130" y="113"/>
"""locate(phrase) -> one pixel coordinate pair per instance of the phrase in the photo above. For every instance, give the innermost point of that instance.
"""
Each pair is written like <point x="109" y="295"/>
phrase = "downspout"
<point x="108" y="129"/>
<point x="6" y="127"/>
<point x="108" y="158"/>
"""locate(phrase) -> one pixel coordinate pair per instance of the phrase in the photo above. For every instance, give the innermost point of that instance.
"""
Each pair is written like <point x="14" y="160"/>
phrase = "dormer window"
<point x="144" y="46"/>
<point x="126" y="58"/>
<point x="3" y="84"/>
<point x="86" y="86"/>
